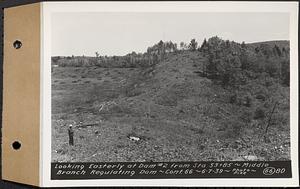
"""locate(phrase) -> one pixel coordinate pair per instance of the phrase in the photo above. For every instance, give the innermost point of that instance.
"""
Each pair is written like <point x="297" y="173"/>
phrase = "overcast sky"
<point x="122" y="33"/>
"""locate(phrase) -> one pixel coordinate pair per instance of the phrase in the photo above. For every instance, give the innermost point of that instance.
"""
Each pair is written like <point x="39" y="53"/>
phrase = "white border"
<point x="50" y="7"/>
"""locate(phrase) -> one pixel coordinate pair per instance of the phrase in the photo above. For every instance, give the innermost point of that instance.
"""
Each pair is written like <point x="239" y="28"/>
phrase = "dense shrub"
<point x="248" y="100"/>
<point x="235" y="63"/>
<point x="233" y="98"/>
<point x="233" y="128"/>
<point x="246" y="115"/>
<point x="259" y="113"/>
<point x="241" y="98"/>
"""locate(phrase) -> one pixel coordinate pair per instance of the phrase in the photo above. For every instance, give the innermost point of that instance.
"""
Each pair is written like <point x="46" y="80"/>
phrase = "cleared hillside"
<point x="280" y="43"/>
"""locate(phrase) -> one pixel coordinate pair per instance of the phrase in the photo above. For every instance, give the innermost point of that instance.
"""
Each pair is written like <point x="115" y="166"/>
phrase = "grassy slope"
<point x="178" y="116"/>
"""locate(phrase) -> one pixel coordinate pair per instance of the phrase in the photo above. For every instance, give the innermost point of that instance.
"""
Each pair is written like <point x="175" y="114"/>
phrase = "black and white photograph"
<point x="170" y="86"/>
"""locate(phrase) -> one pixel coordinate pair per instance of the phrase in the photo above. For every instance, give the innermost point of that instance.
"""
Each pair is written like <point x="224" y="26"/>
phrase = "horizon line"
<point x="87" y="55"/>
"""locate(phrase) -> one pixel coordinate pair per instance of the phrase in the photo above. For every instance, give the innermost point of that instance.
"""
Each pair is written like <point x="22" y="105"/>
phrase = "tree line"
<point x="152" y="56"/>
<point x="227" y="61"/>
<point x="233" y="63"/>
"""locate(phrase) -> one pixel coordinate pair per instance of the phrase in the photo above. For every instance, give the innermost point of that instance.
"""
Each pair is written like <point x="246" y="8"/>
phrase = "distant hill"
<point x="280" y="43"/>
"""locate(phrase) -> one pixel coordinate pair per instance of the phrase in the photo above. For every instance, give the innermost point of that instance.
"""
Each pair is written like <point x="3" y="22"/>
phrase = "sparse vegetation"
<point x="220" y="101"/>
